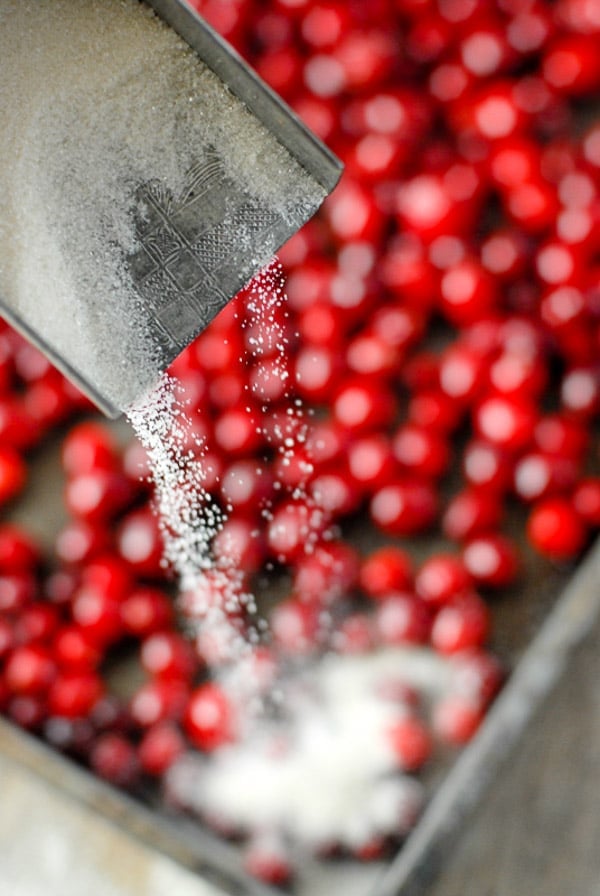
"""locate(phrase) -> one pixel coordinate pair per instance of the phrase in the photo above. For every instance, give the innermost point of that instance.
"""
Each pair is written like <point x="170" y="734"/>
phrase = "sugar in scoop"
<point x="139" y="192"/>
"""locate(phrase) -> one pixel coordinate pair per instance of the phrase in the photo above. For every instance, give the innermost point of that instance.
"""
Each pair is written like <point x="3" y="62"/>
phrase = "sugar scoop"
<point x="147" y="174"/>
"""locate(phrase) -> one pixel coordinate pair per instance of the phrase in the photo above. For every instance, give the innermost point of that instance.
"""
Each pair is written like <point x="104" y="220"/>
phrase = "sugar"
<point x="325" y="773"/>
<point x="98" y="97"/>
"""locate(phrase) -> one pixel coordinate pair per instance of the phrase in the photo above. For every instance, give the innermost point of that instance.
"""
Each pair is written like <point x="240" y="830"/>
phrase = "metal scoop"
<point x="193" y="248"/>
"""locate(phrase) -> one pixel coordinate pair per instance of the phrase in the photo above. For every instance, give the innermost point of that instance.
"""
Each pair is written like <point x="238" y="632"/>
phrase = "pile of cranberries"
<point x="442" y="314"/>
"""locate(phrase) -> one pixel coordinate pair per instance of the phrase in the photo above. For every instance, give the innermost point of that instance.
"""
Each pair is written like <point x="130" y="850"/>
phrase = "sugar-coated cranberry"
<point x="461" y="624"/>
<point x="491" y="560"/>
<point x="209" y="718"/>
<point x="354" y="635"/>
<point x="476" y="676"/>
<point x="385" y="570"/>
<point x="410" y="742"/>
<point x="556" y="529"/>
<point x="160" y="747"/>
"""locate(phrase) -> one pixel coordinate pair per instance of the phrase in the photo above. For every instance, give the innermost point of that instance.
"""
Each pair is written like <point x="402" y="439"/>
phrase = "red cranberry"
<point x="421" y="451"/>
<point x="97" y="496"/>
<point x="328" y="573"/>
<point x="471" y="511"/>
<point x="80" y="541"/>
<point x="209" y="718"/>
<point x="404" y="507"/>
<point x="18" y="550"/>
<point x="73" y="694"/>
<point x="159" y="701"/>
<point x="159" y="748"/>
<point x="88" y="447"/>
<point x="114" y="758"/>
<point x="36" y="623"/>
<point x="384" y="570"/>
<point x="146" y="611"/>
<point x="586" y="500"/>
<point x="17" y="590"/>
<point x="441" y="578"/>
<point x="140" y="543"/>
<point x="491" y="560"/>
<point x="371" y="461"/>
<point x="266" y="858"/>
<point x="29" y="670"/>
<point x="168" y="655"/>
<point x="538" y="475"/>
<point x="13" y="474"/>
<point x="74" y="651"/>
<point x="294" y="530"/>
<point x="401" y="618"/>
<point x="461" y="624"/>
<point x="507" y="423"/>
<point x="456" y="719"/>
<point x="486" y="466"/>
<point x="556" y="529"/>
<point x="476" y="676"/>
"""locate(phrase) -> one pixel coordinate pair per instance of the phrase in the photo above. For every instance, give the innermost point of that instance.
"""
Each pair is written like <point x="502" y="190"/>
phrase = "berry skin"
<point x="556" y="529"/>
<point x="410" y="742"/>
<point x="208" y="719"/>
<point x="441" y="578"/>
<point x="73" y="695"/>
<point x="29" y="670"/>
<point x="404" y="507"/>
<point x="384" y="570"/>
<point x="491" y="560"/>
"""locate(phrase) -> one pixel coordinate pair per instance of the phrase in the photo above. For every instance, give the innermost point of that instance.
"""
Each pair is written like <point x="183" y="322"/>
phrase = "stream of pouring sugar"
<point x="214" y="595"/>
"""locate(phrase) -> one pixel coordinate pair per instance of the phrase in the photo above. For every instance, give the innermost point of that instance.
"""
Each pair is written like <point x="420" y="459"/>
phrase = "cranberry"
<point x="88" y="447"/>
<point x="556" y="529"/>
<point x="467" y="293"/>
<point x="401" y="618"/>
<point x="29" y="670"/>
<point x="456" y="719"/>
<point x="36" y="623"/>
<point x="462" y="623"/>
<point x="18" y="550"/>
<point x="17" y="590"/>
<point x="316" y="372"/>
<point x="441" y="578"/>
<point x="80" y="541"/>
<point x="294" y="530"/>
<point x="471" y="511"/>
<point x="237" y="431"/>
<point x="404" y="507"/>
<point x="295" y="626"/>
<point x="586" y="500"/>
<point x="146" y="611"/>
<point x="114" y="758"/>
<point x="98" y="496"/>
<point x="371" y="461"/>
<point x="507" y="423"/>
<point x="168" y="655"/>
<point x="73" y="694"/>
<point x="140" y="543"/>
<point x="362" y="405"/>
<point x="421" y="451"/>
<point x="326" y="574"/>
<point x="491" y="560"/>
<point x="486" y="466"/>
<point x="476" y="676"/>
<point x="74" y="651"/>
<point x="27" y="711"/>
<point x="13" y="474"/>
<point x="266" y="858"/>
<point x="209" y="718"/>
<point x="159" y="748"/>
<point x="411" y="743"/>
<point x="384" y="570"/>
<point x="538" y="475"/>
<point x="354" y="635"/>
<point x="571" y="65"/>
<point x="159" y="701"/>
<point x="98" y="615"/>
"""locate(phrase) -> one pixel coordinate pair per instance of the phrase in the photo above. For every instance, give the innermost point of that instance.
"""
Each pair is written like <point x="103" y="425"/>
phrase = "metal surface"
<point x="195" y="250"/>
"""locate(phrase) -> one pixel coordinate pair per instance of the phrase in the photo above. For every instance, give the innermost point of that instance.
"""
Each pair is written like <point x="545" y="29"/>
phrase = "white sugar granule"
<point x="96" y="98"/>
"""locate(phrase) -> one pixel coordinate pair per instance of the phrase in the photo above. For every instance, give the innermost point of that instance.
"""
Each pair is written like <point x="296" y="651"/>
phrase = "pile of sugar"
<point x="96" y="98"/>
<point x="326" y="773"/>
